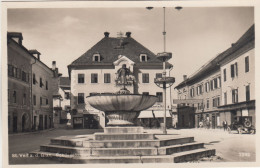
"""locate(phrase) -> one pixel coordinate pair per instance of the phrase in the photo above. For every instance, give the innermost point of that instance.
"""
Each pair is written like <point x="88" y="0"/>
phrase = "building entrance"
<point x="15" y="124"/>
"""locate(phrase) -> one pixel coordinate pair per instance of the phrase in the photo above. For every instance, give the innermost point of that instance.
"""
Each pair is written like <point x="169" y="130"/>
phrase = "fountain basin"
<point x="121" y="109"/>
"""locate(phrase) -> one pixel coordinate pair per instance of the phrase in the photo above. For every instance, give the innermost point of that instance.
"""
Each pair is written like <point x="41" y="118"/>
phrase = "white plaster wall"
<point x="240" y="81"/>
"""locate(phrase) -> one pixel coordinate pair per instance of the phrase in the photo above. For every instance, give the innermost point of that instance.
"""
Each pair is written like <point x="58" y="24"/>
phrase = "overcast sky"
<point x="194" y="35"/>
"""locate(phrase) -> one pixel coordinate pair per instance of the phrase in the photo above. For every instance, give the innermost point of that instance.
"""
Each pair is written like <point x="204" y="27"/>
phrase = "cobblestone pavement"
<point x="229" y="147"/>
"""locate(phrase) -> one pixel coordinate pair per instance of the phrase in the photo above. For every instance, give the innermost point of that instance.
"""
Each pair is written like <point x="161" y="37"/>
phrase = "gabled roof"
<point x="109" y="49"/>
<point x="245" y="42"/>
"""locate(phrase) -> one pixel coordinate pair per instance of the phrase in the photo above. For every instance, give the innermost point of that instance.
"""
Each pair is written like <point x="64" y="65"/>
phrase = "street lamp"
<point x="164" y="82"/>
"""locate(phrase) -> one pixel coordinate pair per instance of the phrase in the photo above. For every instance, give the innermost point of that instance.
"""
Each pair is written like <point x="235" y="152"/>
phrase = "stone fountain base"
<point x="123" y="145"/>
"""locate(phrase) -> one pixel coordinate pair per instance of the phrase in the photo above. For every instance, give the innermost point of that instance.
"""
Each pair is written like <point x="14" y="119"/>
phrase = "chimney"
<point x="184" y="77"/>
<point x="35" y="53"/>
<point x="16" y="36"/>
<point x="128" y="34"/>
<point x="53" y="65"/>
<point x="106" y="34"/>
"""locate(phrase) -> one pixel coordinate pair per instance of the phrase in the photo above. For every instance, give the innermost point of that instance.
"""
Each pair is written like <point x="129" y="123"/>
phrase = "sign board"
<point x="187" y="101"/>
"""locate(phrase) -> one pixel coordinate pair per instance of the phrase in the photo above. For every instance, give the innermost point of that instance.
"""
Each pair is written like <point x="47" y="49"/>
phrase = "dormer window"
<point x="96" y="58"/>
<point x="143" y="58"/>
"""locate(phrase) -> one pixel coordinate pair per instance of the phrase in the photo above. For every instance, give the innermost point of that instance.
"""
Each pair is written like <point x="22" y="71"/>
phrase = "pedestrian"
<point x="225" y="125"/>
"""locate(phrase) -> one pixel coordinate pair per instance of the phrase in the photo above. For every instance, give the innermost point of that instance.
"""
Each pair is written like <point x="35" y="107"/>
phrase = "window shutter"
<point x="236" y="69"/>
<point x="232" y="71"/>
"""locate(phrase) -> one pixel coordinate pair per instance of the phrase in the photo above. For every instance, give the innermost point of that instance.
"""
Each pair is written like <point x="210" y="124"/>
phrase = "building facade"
<point x="220" y="91"/>
<point x="61" y="103"/>
<point x="98" y="69"/>
<point x="238" y="80"/>
<point x="19" y="89"/>
<point x="44" y="84"/>
<point x="31" y="85"/>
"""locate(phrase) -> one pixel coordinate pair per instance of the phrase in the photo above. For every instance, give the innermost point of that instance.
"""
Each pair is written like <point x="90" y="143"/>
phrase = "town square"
<point x="131" y="85"/>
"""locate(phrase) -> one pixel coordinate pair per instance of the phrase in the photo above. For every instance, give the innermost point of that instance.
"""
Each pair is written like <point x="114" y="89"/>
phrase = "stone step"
<point x="177" y="157"/>
<point x="167" y="150"/>
<point x="113" y="130"/>
<point x="121" y="143"/>
<point x="65" y="150"/>
<point x="144" y="151"/>
<point x="123" y="136"/>
<point x="193" y="155"/>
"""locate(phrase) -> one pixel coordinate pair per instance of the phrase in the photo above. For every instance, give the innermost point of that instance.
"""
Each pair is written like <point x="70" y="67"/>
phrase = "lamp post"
<point x="164" y="82"/>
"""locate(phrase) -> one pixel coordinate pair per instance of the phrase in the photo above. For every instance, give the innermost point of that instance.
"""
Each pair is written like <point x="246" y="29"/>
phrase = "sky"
<point x="194" y="34"/>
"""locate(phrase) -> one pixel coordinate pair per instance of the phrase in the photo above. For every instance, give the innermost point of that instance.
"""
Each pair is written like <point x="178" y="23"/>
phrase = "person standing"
<point x="225" y="125"/>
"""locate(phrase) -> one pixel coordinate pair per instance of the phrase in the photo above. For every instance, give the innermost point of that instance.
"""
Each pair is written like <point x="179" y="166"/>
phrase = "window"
<point x="40" y="100"/>
<point x="216" y="102"/>
<point x="145" y="78"/>
<point x="46" y="85"/>
<point x="81" y="78"/>
<point x="225" y="74"/>
<point x="18" y="73"/>
<point x="24" y="99"/>
<point x="10" y="70"/>
<point x="199" y="89"/>
<point x="24" y="76"/>
<point x="41" y="84"/>
<point x="234" y="95"/>
<point x="81" y="98"/>
<point x="192" y="92"/>
<point x="143" y="58"/>
<point x="47" y="101"/>
<point x="34" y="79"/>
<point x="107" y="78"/>
<point x="247" y="92"/>
<point x="207" y="103"/>
<point x="225" y="98"/>
<point x="207" y="87"/>
<point x="14" y="96"/>
<point x="94" y="78"/>
<point x="158" y="75"/>
<point x="145" y="93"/>
<point x="234" y="70"/>
<point x="34" y="100"/>
<point x="159" y="95"/>
<point x="247" y="64"/>
<point x="96" y="58"/>
<point x="67" y="95"/>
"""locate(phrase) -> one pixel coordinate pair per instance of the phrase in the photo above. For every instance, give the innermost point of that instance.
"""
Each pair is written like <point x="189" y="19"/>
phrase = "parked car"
<point x="242" y="125"/>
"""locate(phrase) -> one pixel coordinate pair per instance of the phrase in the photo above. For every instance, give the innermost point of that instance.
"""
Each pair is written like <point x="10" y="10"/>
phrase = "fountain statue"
<point x="122" y="107"/>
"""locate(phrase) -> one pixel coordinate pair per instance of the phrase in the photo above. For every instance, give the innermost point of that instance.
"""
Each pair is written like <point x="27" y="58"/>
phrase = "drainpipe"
<point x="31" y="92"/>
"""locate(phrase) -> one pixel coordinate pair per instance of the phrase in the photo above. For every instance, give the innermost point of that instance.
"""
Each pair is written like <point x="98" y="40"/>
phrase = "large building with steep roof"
<point x="96" y="71"/>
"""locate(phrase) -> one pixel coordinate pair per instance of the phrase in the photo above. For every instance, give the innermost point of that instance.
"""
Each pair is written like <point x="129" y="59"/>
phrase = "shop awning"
<point x="158" y="114"/>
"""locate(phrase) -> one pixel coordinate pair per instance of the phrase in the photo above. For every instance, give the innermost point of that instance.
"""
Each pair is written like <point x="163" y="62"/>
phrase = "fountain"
<point x="122" y="141"/>
<point x="121" y="108"/>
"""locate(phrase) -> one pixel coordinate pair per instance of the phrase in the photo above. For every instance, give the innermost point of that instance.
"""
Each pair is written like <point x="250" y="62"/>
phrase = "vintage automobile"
<point x="242" y="125"/>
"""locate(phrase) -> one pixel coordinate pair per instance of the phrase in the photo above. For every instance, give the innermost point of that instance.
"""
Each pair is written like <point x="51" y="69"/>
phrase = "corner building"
<point x="96" y="71"/>
<point x="221" y="90"/>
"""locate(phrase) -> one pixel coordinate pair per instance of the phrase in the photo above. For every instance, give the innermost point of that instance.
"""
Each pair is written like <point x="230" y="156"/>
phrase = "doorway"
<point x="23" y="122"/>
<point x="40" y="122"/>
<point x="15" y="124"/>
